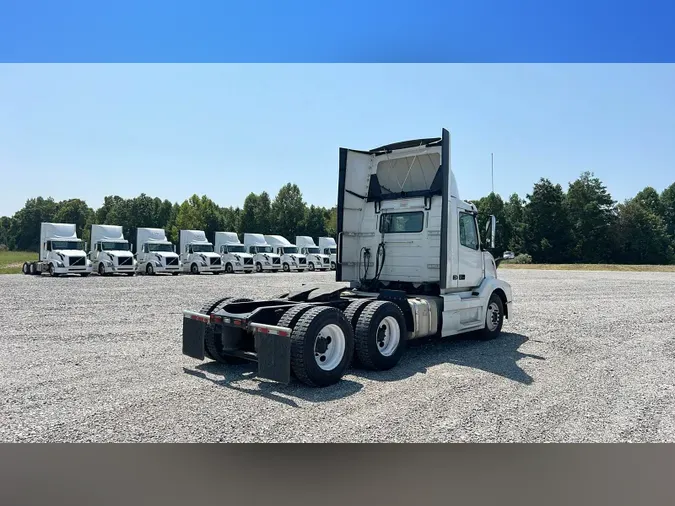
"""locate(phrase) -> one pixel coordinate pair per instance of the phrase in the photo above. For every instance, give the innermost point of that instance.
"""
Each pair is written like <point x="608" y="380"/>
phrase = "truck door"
<point x="470" y="257"/>
<point x="354" y="174"/>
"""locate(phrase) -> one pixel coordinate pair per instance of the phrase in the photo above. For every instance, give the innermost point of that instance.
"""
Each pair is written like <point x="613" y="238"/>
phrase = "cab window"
<point x="402" y="223"/>
<point x="468" y="234"/>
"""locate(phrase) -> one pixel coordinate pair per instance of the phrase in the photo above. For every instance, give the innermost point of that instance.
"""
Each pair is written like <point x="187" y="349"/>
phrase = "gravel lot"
<point x="588" y="357"/>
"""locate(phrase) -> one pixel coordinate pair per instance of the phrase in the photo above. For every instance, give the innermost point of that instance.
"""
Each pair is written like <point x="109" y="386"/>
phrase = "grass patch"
<point x="12" y="261"/>
<point x="591" y="267"/>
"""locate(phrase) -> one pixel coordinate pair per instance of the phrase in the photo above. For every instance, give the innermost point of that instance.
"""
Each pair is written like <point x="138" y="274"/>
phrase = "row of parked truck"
<point x="62" y="252"/>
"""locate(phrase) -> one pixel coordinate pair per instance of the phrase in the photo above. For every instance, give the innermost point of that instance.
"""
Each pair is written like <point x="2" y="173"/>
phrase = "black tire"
<point x="370" y="331"/>
<point x="214" y="344"/>
<point x="291" y="317"/>
<point x="25" y="268"/>
<point x="32" y="269"/>
<point x="303" y="339"/>
<point x="487" y="333"/>
<point x="194" y="269"/>
<point x="149" y="269"/>
<point x="51" y="270"/>
<point x="258" y="267"/>
<point x="174" y="274"/>
<point x="101" y="269"/>
<point x="332" y="265"/>
<point x="355" y="309"/>
<point x="228" y="268"/>
<point x="208" y="335"/>
<point x="310" y="266"/>
<point x="287" y="267"/>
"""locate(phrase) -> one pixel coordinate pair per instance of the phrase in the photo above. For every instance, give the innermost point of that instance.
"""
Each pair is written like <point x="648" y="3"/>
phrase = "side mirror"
<point x="490" y="230"/>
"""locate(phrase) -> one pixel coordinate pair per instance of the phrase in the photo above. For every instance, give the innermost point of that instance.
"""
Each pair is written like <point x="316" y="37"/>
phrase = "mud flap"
<point x="274" y="356"/>
<point x="194" y="328"/>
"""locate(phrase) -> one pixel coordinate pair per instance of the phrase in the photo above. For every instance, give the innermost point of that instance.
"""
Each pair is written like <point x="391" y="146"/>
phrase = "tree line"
<point x="287" y="214"/>
<point x="582" y="224"/>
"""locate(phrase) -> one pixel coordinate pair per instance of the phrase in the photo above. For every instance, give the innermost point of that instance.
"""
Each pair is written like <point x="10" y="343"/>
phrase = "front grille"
<point x="325" y="260"/>
<point x="302" y="261"/>
<point x="248" y="261"/>
<point x="276" y="260"/>
<point x="215" y="260"/>
<point x="72" y="261"/>
<point x="172" y="261"/>
<point x="124" y="261"/>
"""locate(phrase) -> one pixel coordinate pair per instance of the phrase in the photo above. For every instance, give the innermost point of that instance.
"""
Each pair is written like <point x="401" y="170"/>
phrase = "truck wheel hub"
<point x="329" y="347"/>
<point x="388" y="336"/>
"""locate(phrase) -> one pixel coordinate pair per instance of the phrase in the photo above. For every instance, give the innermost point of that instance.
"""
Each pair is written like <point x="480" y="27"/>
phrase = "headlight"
<point x="203" y="264"/>
<point x="266" y="262"/>
<point x="237" y="263"/>
<point x="59" y="264"/>
<point x="108" y="263"/>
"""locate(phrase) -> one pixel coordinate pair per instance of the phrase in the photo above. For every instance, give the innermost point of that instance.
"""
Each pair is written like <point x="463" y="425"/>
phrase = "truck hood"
<point x="268" y="255"/>
<point x="165" y="254"/>
<point x="319" y="255"/>
<point x="296" y="255"/>
<point x="241" y="255"/>
<point x="70" y="252"/>
<point x="208" y="254"/>
<point x="119" y="253"/>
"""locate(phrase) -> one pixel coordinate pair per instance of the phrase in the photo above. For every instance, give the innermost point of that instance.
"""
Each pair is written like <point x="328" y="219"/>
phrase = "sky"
<point x="225" y="130"/>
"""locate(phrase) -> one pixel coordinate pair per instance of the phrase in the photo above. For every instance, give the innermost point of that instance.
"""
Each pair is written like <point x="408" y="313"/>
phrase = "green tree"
<point x="494" y="205"/>
<point x="649" y="199"/>
<point x="642" y="235"/>
<point x="547" y="227"/>
<point x="28" y="221"/>
<point x="314" y="223"/>
<point x="288" y="211"/>
<point x="591" y="212"/>
<point x="514" y="216"/>
<point x="668" y="206"/>
<point x="331" y="222"/>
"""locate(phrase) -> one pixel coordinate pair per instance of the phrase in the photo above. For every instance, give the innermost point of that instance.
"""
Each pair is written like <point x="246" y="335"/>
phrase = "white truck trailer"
<point x="291" y="258"/>
<point x="264" y="258"/>
<point x="155" y="253"/>
<point x="411" y="263"/>
<point x="316" y="261"/>
<point x="61" y="252"/>
<point x="327" y="246"/>
<point x="197" y="255"/>
<point x="110" y="251"/>
<point x="233" y="253"/>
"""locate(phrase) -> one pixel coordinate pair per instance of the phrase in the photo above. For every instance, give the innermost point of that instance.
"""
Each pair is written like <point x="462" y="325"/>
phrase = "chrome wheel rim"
<point x="329" y="347"/>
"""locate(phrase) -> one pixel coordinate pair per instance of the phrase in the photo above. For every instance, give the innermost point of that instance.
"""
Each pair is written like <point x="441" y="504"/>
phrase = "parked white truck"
<point x="327" y="246"/>
<point x="291" y="259"/>
<point x="155" y="253"/>
<point x="233" y="253"/>
<point x="110" y="251"/>
<point x="197" y="255"/>
<point x="264" y="258"/>
<point x="412" y="254"/>
<point x="316" y="261"/>
<point x="61" y="252"/>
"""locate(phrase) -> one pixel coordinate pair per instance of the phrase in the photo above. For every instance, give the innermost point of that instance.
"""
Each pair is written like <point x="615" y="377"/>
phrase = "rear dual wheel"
<point x="213" y="343"/>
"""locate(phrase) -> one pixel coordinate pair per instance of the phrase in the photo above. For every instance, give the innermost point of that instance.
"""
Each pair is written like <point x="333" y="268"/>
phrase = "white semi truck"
<point x="316" y="261"/>
<point x="233" y="253"/>
<point x="197" y="255"/>
<point x="110" y="251"/>
<point x="291" y="258"/>
<point x="155" y="253"/>
<point x="61" y="252"/>
<point x="264" y="258"/>
<point x="410" y="263"/>
<point x="327" y="246"/>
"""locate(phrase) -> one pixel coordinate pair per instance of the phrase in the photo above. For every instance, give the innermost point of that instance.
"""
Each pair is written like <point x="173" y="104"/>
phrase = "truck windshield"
<point x="202" y="248"/>
<point x="313" y="250"/>
<point x="118" y="246"/>
<point x="236" y="249"/>
<point x="72" y="245"/>
<point x="290" y="250"/>
<point x="160" y="247"/>
<point x="264" y="249"/>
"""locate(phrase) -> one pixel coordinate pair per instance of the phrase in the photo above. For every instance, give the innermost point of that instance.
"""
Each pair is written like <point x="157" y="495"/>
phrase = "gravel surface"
<point x="588" y="357"/>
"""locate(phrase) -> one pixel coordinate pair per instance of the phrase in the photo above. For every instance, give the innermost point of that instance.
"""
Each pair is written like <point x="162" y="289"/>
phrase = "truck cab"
<point x="328" y="246"/>
<point x="61" y="252"/>
<point x="264" y="258"/>
<point x="291" y="258"/>
<point x="316" y="261"/>
<point x="411" y="263"/>
<point x="197" y="254"/>
<point x="233" y="253"/>
<point x="155" y="253"/>
<point x="110" y="251"/>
